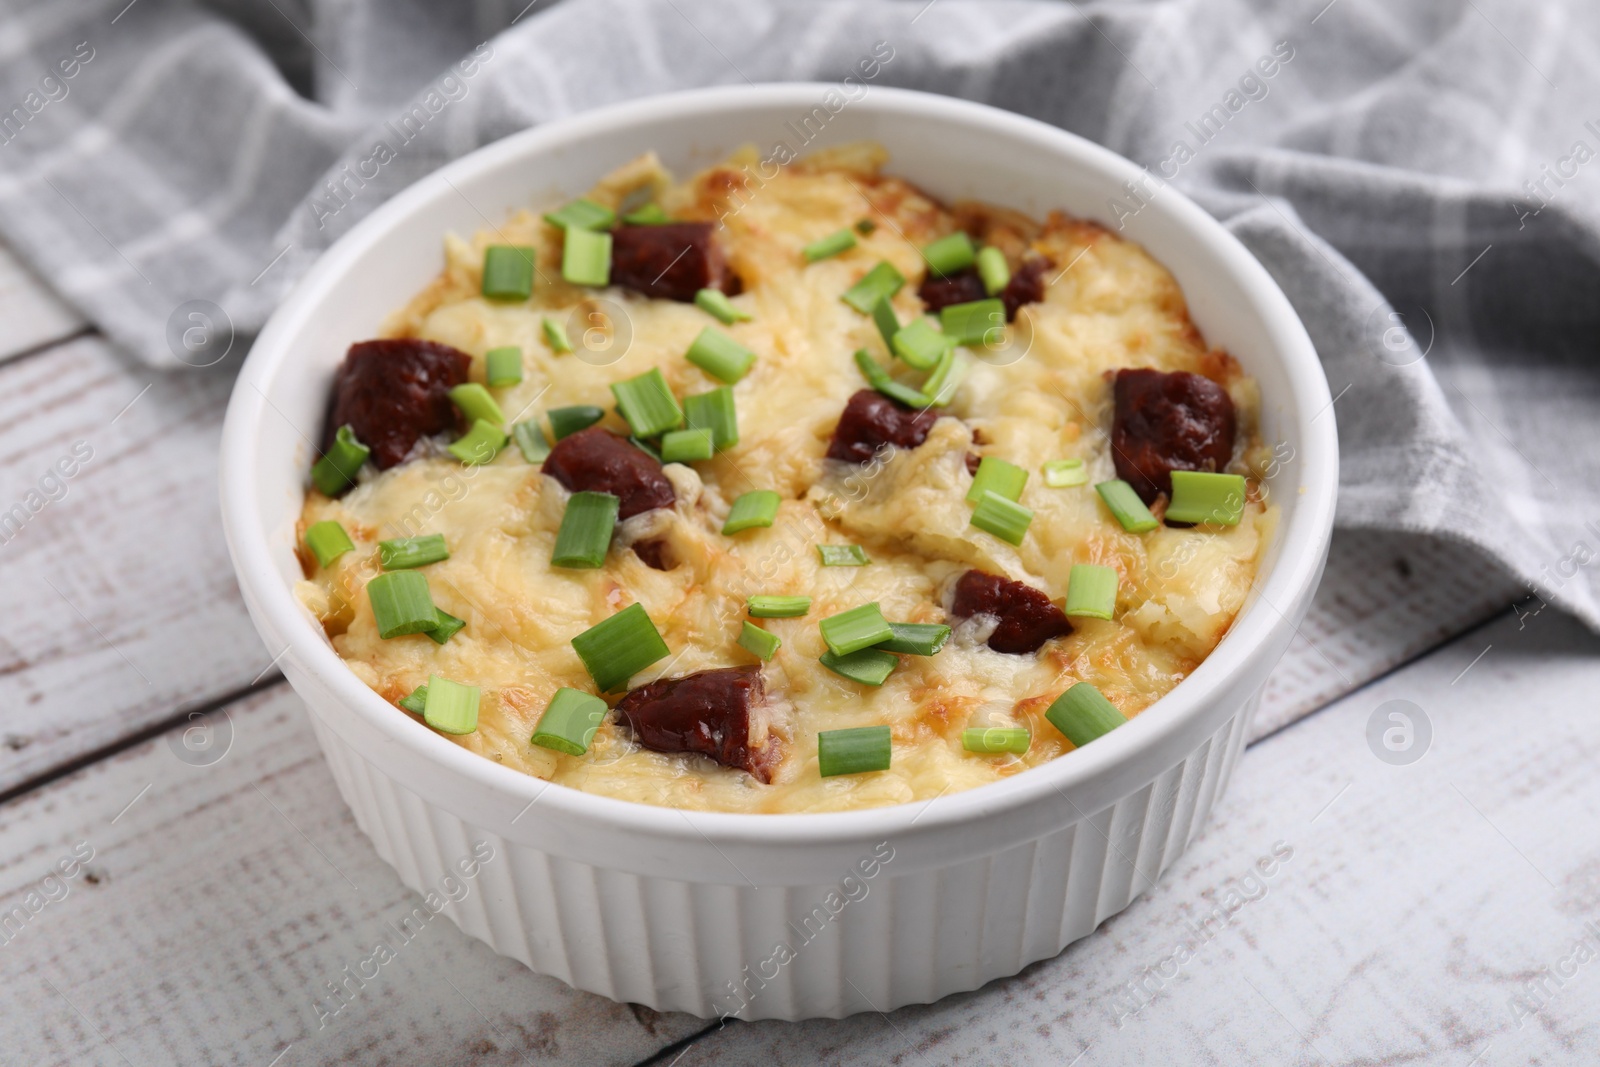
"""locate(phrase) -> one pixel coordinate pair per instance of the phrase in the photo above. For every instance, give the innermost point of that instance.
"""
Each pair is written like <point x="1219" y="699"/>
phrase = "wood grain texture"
<point x="30" y="314"/>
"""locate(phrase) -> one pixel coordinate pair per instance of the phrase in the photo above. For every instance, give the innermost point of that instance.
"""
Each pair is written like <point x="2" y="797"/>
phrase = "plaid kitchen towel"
<point x="1418" y="177"/>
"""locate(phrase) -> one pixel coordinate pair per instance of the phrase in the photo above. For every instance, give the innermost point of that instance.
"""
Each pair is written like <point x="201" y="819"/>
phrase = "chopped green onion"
<point x="915" y="638"/>
<point x="940" y="386"/>
<point x="720" y="355"/>
<point x="714" y="411"/>
<point x="880" y="380"/>
<point x="991" y="739"/>
<point x="870" y="666"/>
<point x="555" y="335"/>
<point x="993" y="270"/>
<point x="1083" y="713"/>
<point x="476" y="403"/>
<point x="887" y="322"/>
<point x="337" y="468"/>
<point x="1126" y="506"/>
<point x="978" y="322"/>
<point x="778" y="607"/>
<point x="1092" y="591"/>
<point x="999" y="477"/>
<point x="647" y="403"/>
<point x="564" y="422"/>
<point x="1201" y="496"/>
<point x="920" y="344"/>
<point x="401" y="604"/>
<point x="479" y="445"/>
<point x="327" y="541"/>
<point x="570" y="721"/>
<point x="448" y="627"/>
<point x="686" y="446"/>
<point x="620" y="647"/>
<point x="1004" y="518"/>
<point x="508" y="272"/>
<point x="1065" y="473"/>
<point x="879" y="283"/>
<point x="586" y="258"/>
<point x="450" y="708"/>
<point x="401" y="553"/>
<point x="417" y="701"/>
<point x="582" y="215"/>
<point x="649" y="215"/>
<point x="585" y="532"/>
<point x="646" y="447"/>
<point x="715" y="302"/>
<point x="950" y="254"/>
<point x="843" y="555"/>
<point x="758" y="642"/>
<point x="759" y="507"/>
<point x="865" y="227"/>
<point x="864" y="748"/>
<point x="503" y="366"/>
<point x="851" y="631"/>
<point x="830" y="245"/>
<point x="531" y="440"/>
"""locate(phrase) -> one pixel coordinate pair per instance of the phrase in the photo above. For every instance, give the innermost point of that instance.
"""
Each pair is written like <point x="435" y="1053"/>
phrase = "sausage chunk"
<point x="1026" y="285"/>
<point x="961" y="287"/>
<point x="393" y="392"/>
<point x="1166" y="422"/>
<point x="1027" y="617"/>
<point x="711" y="713"/>
<point x="601" y="462"/>
<point x="871" y="420"/>
<point x="673" y="261"/>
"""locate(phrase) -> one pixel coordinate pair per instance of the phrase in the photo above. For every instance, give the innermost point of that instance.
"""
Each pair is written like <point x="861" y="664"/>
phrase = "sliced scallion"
<point x="400" y="553"/>
<point x="647" y="403"/>
<point x="479" y="445"/>
<point x="585" y="533"/>
<point x="851" y="631"/>
<point x="555" y="335"/>
<point x="582" y="215"/>
<point x="651" y="214"/>
<point x="863" y="748"/>
<point x="564" y="422"/>
<point x="503" y="366"/>
<point x="778" y="607"/>
<point x="831" y="245"/>
<point x="758" y="642"/>
<point x="992" y="739"/>
<point x="979" y="322"/>
<point x="879" y="283"/>
<point x="449" y="626"/>
<point x="476" y="403"/>
<point x="950" y="254"/>
<point x="715" y="302"/>
<point x="915" y="638"/>
<point x="887" y="322"/>
<point x="1006" y="519"/>
<point x="620" y="647"/>
<point x="870" y="666"/>
<point x="1065" y="473"/>
<point x="338" y="466"/>
<point x="879" y="379"/>
<point x="401" y="604"/>
<point x="586" y="258"/>
<point x="570" y="721"/>
<point x="1125" y="504"/>
<point x="992" y="268"/>
<point x="920" y="343"/>
<point x="327" y="541"/>
<point x="720" y="355"/>
<point x="417" y="700"/>
<point x="1092" y="591"/>
<point x="759" y="507"/>
<point x="940" y="386"/>
<point x="450" y="707"/>
<point x="508" y="272"/>
<point x="646" y="447"/>
<point x="531" y="440"/>
<point x="999" y="477"/>
<point x="843" y="555"/>
<point x="687" y="446"/>
<point x="714" y="410"/>
<point x="1202" y="496"/>
<point x="1083" y="713"/>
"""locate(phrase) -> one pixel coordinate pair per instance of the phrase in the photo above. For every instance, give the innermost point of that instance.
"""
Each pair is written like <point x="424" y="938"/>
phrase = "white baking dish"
<point x="778" y="916"/>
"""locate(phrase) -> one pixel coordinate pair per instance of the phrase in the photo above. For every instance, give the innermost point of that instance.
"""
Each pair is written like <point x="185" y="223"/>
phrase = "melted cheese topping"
<point x="1044" y="397"/>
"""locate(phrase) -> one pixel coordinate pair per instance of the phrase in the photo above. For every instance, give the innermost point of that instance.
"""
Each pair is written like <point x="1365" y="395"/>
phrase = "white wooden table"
<point x="209" y="905"/>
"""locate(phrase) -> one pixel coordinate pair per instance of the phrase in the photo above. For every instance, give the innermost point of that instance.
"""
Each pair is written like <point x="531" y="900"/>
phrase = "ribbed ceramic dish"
<point x="778" y="916"/>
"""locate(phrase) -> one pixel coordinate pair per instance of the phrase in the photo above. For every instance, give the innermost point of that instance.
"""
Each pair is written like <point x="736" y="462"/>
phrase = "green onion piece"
<point x="940" y="386"/>
<point x="879" y="283"/>
<point x="950" y="254"/>
<point x="401" y="604"/>
<point x="759" y="507"/>
<point x="417" y="701"/>
<point x="1065" y="473"/>
<point x="327" y="541"/>
<point x="508" y="272"/>
<point x="555" y="335"/>
<point x="843" y="555"/>
<point x="991" y="739"/>
<point x="851" y="631"/>
<point x="1201" y="496"/>
<point x="864" y="748"/>
<point x="646" y="448"/>
<point x="448" y="627"/>
<point x="1126" y="506"/>
<point x="585" y="532"/>
<point x="720" y="355"/>
<point x="586" y="258"/>
<point x="1004" y="518"/>
<point x="1083" y="714"/>
<point x="993" y="270"/>
<point x="401" y="553"/>
<point x="582" y="215"/>
<point x="887" y="322"/>
<point x="479" y="445"/>
<point x="570" y="721"/>
<point x="870" y="666"/>
<point x="714" y="411"/>
<point x="865" y="227"/>
<point x="979" y="322"/>
<point x="620" y="647"/>
<point x="649" y="215"/>
<point x="531" y="440"/>
<point x="999" y="477"/>
<point x="476" y="403"/>
<point x="338" y="466"/>
<point x="880" y="380"/>
<point x="920" y="344"/>
<point x="450" y="708"/>
<point x="686" y="446"/>
<point x="778" y="607"/>
<point x="715" y="302"/>
<point x="915" y="638"/>
<point x="503" y="366"/>
<point x="564" y="422"/>
<point x="1092" y="591"/>
<point x="758" y="642"/>
<point x="647" y="403"/>
<point x="830" y="245"/>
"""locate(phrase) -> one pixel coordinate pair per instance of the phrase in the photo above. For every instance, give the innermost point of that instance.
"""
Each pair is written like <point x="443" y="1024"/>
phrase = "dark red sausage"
<point x="1027" y="617"/>
<point x="1026" y="285"/>
<point x="393" y="392"/>
<point x="673" y="261"/>
<point x="709" y="713"/>
<point x="871" y="420"/>
<point x="656" y="554"/>
<point x="1166" y="422"/>
<point x="959" y="288"/>
<point x="601" y="462"/>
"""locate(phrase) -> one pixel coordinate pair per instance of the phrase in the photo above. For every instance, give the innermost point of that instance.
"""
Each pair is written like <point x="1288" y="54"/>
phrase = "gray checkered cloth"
<point x="1418" y="177"/>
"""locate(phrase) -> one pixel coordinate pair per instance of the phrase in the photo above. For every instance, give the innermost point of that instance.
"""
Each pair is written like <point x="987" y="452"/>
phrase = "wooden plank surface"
<point x="30" y="314"/>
